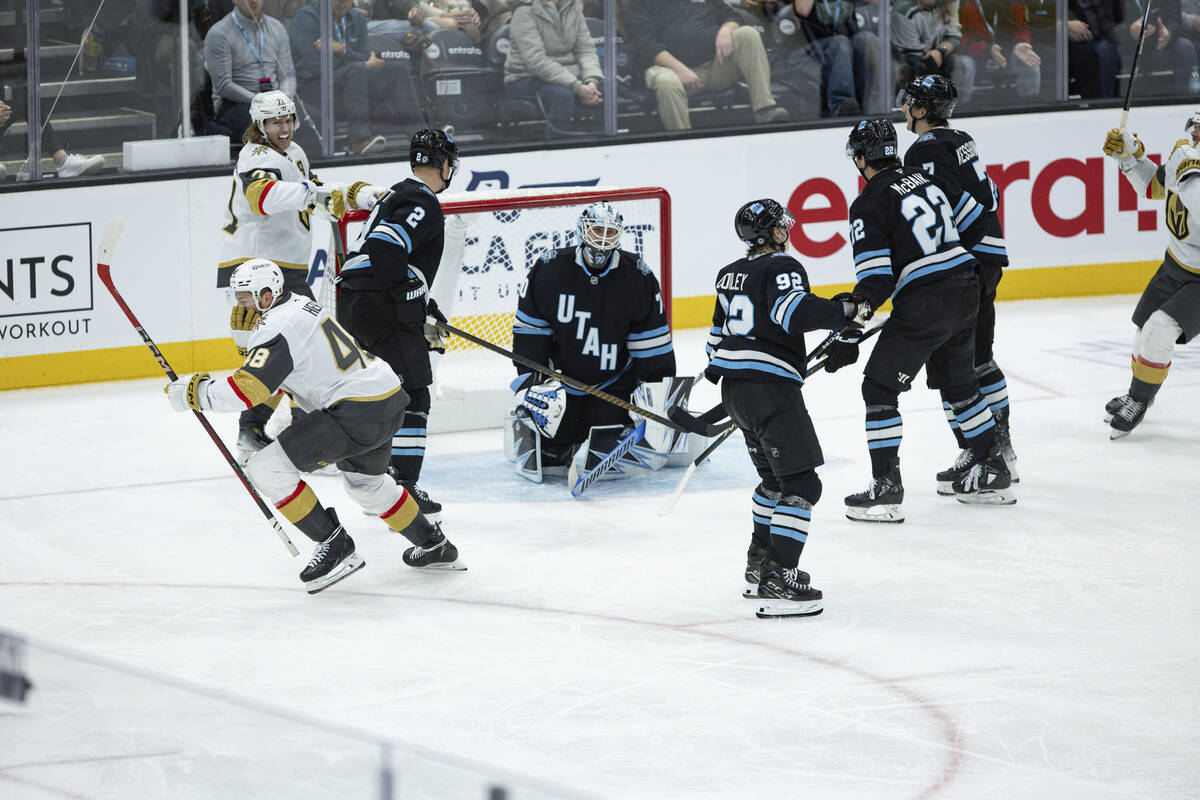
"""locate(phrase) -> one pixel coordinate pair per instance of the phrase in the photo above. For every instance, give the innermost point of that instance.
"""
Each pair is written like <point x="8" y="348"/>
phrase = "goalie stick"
<point x="724" y="432"/>
<point x="580" y="483"/>
<point x="108" y="243"/>
<point x="574" y="384"/>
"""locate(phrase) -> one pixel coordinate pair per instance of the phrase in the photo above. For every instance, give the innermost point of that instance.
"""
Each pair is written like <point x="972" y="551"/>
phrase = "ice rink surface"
<point x="1044" y="650"/>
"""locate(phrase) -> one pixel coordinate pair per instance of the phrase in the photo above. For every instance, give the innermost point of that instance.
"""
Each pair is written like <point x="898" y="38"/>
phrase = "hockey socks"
<point x="885" y="429"/>
<point x="408" y="443"/>
<point x="304" y="510"/>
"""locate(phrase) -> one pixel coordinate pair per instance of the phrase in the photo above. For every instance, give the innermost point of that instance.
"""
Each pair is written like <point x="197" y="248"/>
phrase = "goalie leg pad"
<point x="661" y="397"/>
<point x="523" y="446"/>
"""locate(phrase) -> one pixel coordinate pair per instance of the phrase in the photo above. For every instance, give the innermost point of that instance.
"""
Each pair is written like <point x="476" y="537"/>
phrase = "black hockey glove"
<point x="843" y="351"/>
<point x="434" y="337"/>
<point x="857" y="307"/>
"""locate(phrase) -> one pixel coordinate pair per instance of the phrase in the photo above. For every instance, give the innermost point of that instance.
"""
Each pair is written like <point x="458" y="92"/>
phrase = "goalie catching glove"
<point x="241" y="321"/>
<point x="189" y="393"/>
<point x="545" y="404"/>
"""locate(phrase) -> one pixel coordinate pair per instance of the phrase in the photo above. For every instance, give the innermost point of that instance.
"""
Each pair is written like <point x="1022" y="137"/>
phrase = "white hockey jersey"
<point x="1178" y="183"/>
<point x="267" y="212"/>
<point x="299" y="348"/>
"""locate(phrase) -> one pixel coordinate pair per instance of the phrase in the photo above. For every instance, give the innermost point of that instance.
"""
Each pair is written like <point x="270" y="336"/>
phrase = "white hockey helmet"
<point x="257" y="276"/>
<point x="268" y="105"/>
<point x="599" y="229"/>
<point x="1192" y="126"/>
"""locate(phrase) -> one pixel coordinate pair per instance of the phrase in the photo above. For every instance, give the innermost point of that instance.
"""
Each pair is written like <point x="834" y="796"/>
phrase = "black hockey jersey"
<point x="763" y="309"/>
<point x="905" y="230"/>
<point x="594" y="328"/>
<point x="399" y="248"/>
<point x="952" y="156"/>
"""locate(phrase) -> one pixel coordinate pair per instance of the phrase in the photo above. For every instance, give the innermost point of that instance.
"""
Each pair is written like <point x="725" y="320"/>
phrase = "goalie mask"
<point x="257" y="276"/>
<point x="272" y="104"/>
<point x="599" y="229"/>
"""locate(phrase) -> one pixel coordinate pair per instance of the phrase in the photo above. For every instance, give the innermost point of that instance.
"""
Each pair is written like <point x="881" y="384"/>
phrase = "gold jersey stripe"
<point x="251" y="387"/>
<point x="371" y="399"/>
<point x="255" y="192"/>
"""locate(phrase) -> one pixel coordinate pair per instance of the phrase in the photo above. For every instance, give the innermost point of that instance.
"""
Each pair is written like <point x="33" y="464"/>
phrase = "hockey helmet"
<point x="873" y="139"/>
<point x="257" y="276"/>
<point x="430" y="147"/>
<point x="935" y="93"/>
<point x="1192" y="126"/>
<point x="272" y="104"/>
<point x="755" y="221"/>
<point x="599" y="230"/>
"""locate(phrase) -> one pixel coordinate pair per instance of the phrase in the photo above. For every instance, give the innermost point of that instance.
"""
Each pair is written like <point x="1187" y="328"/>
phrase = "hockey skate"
<point x="786" y="593"/>
<point x="946" y="478"/>
<point x="754" y="560"/>
<point x="1127" y="415"/>
<point x="333" y="560"/>
<point x="439" y="554"/>
<point x="250" y="440"/>
<point x="880" y="502"/>
<point x="1114" y="405"/>
<point x="985" y="482"/>
<point x="1004" y="439"/>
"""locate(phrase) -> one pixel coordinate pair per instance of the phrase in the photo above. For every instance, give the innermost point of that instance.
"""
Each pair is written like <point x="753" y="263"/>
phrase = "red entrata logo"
<point x="821" y="200"/>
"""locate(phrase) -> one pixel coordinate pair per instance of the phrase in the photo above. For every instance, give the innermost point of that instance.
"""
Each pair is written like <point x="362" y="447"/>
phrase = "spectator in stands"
<point x="925" y="35"/>
<point x="246" y="52"/>
<point x="68" y="165"/>
<point x="398" y="17"/>
<point x="998" y="32"/>
<point x="552" y="57"/>
<point x="849" y="57"/>
<point x="497" y="13"/>
<point x="1093" y="56"/>
<point x="353" y="62"/>
<point x="458" y="15"/>
<point x="283" y="10"/>
<point x="1167" y="46"/>
<point x="690" y="46"/>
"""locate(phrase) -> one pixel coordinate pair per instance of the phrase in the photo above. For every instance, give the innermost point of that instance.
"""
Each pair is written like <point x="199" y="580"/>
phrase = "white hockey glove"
<point x="363" y="195"/>
<point x="545" y="403"/>
<point x="188" y="394"/>
<point x="331" y="200"/>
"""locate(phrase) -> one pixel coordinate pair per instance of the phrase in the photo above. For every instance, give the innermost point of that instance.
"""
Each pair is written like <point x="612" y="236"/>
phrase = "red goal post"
<point x="492" y="238"/>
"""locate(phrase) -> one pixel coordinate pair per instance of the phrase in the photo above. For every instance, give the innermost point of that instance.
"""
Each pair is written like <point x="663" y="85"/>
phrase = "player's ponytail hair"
<point x="254" y="135"/>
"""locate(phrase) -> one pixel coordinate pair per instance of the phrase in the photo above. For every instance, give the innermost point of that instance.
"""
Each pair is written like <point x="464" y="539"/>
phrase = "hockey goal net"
<point x="492" y="238"/>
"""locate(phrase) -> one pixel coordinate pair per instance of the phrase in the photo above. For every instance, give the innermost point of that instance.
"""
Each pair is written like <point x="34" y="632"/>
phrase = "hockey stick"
<point x="574" y="384"/>
<point x="581" y="484"/>
<point x="108" y="243"/>
<point x="817" y="352"/>
<point x="1133" y="72"/>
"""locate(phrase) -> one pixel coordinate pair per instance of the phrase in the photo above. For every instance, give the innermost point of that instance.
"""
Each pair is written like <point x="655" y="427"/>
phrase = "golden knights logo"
<point x="1177" y="217"/>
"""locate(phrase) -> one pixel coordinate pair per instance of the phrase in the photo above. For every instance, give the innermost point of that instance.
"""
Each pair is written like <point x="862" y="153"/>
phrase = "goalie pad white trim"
<point x="523" y="445"/>
<point x="660" y="397"/>
<point x="601" y="441"/>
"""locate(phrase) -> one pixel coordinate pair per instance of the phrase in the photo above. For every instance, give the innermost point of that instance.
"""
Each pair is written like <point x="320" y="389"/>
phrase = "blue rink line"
<point x="490" y="477"/>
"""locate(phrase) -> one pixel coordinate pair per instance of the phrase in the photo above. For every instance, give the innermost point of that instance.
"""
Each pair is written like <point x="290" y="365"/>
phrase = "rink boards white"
<point x="1073" y="226"/>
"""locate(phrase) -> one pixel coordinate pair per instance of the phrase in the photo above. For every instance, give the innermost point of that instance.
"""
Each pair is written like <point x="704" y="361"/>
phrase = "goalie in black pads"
<point x="951" y="155"/>
<point x="756" y="350"/>
<point x="595" y="313"/>
<point x="384" y="292"/>
<point x="352" y="401"/>
<point x="905" y="231"/>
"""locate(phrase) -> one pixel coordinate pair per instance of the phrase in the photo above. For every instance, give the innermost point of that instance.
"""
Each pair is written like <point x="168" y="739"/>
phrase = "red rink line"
<point x="950" y="733"/>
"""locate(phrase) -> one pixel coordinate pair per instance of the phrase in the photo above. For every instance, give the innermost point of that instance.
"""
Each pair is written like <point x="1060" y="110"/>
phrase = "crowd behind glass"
<point x="515" y="73"/>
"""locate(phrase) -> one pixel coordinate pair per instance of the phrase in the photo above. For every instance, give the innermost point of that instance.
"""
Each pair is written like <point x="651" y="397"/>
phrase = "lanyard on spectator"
<point x="261" y="47"/>
<point x="837" y="11"/>
<point x="339" y="30"/>
<point x="983" y="16"/>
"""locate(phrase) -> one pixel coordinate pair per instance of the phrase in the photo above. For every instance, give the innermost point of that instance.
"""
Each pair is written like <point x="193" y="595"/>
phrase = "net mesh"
<point x="492" y="239"/>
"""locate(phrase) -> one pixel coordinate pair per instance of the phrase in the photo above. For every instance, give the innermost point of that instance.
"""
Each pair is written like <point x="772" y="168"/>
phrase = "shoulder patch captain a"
<point x="642" y="268"/>
<point x="549" y="255"/>
<point x="925" y="137"/>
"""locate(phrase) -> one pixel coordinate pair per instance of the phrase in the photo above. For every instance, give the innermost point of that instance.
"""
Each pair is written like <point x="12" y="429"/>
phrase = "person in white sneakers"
<point x="67" y="165"/>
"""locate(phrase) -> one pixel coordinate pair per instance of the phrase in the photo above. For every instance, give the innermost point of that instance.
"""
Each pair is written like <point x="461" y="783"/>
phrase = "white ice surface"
<point x="1038" y="651"/>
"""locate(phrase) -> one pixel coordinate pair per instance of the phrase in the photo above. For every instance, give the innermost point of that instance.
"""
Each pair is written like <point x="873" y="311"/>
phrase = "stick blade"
<point x="108" y="241"/>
